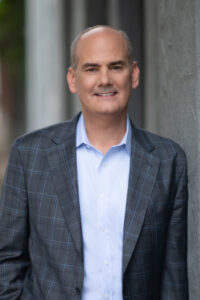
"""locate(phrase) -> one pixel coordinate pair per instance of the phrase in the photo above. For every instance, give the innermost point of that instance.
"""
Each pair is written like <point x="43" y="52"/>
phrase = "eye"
<point x="117" y="67"/>
<point x="90" y="69"/>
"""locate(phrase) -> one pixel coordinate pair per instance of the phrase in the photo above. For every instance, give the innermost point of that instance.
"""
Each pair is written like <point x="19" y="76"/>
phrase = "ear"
<point x="71" y="80"/>
<point x="135" y="75"/>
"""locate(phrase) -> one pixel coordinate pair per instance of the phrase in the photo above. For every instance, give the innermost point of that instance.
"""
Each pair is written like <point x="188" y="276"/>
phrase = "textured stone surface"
<point x="175" y="108"/>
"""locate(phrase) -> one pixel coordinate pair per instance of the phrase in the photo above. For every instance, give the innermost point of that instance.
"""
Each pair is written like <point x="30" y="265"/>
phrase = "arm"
<point x="174" y="281"/>
<point x="14" y="260"/>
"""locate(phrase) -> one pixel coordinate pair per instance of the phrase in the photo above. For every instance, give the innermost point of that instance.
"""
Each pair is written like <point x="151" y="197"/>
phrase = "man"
<point x="95" y="208"/>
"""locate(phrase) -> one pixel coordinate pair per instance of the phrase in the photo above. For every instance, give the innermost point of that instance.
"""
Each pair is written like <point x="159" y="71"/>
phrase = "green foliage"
<point x="12" y="35"/>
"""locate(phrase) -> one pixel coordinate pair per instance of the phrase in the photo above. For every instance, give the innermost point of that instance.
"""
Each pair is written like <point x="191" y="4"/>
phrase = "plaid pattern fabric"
<point x="41" y="249"/>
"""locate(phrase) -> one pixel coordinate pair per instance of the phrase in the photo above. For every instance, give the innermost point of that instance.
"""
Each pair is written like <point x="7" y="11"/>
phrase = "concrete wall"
<point x="172" y="97"/>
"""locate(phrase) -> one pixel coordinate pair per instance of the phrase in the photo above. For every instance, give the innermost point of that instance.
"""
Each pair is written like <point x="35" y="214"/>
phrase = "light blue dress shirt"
<point x="102" y="184"/>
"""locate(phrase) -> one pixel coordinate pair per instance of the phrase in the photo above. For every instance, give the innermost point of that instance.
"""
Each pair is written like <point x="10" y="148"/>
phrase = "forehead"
<point x="101" y="45"/>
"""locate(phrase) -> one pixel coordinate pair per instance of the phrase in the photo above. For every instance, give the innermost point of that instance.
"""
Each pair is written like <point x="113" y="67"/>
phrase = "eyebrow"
<point x="87" y="65"/>
<point x="119" y="62"/>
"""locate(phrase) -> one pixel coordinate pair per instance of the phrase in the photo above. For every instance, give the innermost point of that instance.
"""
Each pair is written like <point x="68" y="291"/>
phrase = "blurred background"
<point x="35" y="37"/>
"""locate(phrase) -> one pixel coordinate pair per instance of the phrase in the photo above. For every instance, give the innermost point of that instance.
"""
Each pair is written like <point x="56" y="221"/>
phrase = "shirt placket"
<point x="106" y="261"/>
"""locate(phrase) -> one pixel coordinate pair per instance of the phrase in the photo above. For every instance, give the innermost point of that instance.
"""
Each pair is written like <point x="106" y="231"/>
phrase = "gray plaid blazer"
<point x="41" y="247"/>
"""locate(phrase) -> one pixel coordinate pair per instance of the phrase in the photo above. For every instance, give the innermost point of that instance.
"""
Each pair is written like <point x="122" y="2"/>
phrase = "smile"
<point x="106" y="94"/>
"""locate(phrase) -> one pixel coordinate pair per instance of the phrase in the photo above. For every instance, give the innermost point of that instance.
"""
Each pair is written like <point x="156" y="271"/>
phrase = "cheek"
<point x="85" y="84"/>
<point x="124" y="81"/>
<point x="126" y="85"/>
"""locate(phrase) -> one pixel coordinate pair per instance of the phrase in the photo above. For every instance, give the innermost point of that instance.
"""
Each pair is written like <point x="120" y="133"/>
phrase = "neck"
<point x="105" y="131"/>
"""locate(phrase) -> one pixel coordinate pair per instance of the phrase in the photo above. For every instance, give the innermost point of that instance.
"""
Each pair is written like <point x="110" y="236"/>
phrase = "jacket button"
<point x="77" y="290"/>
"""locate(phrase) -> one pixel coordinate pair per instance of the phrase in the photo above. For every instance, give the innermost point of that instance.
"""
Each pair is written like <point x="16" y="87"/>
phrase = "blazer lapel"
<point x="62" y="161"/>
<point x="143" y="171"/>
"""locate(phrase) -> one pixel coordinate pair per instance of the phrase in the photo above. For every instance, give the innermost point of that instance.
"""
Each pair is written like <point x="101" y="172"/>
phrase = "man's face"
<point x="103" y="77"/>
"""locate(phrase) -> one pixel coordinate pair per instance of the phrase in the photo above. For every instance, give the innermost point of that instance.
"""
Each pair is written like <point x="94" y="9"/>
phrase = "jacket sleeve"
<point x="14" y="231"/>
<point x="175" y="281"/>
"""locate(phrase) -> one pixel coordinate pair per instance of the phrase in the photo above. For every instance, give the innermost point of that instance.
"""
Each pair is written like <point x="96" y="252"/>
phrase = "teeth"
<point x="107" y="94"/>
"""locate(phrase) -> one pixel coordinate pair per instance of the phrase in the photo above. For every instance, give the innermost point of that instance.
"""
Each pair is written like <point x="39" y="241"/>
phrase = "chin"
<point x="111" y="112"/>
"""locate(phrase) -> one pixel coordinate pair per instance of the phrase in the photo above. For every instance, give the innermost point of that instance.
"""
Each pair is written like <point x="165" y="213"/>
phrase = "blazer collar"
<point x="65" y="132"/>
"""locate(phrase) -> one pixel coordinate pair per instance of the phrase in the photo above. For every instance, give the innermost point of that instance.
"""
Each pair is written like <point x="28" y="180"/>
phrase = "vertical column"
<point x="45" y="72"/>
<point x="113" y="13"/>
<point x="131" y="20"/>
<point x="4" y="128"/>
<point x="192" y="122"/>
<point x="173" y="98"/>
<point x="151" y="83"/>
<point x="78" y="23"/>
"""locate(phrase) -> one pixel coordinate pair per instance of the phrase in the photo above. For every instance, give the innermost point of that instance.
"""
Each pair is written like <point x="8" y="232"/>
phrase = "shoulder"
<point x="47" y="137"/>
<point x="162" y="147"/>
<point x="171" y="156"/>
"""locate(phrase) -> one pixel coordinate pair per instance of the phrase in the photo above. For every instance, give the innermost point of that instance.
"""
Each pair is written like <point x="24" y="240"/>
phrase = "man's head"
<point x="102" y="73"/>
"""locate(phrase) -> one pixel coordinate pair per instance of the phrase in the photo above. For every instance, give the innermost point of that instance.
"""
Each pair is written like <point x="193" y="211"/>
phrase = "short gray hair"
<point x="78" y="37"/>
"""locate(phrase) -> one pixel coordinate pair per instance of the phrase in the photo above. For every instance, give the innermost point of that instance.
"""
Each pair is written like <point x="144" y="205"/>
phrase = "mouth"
<point x="107" y="94"/>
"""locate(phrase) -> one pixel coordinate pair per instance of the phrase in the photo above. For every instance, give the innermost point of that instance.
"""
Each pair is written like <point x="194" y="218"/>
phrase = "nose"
<point x="105" y="77"/>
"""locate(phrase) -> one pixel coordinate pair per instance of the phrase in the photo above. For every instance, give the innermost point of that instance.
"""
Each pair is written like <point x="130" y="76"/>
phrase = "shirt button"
<point x="106" y="295"/>
<point x="77" y="290"/>
<point x="105" y="230"/>
<point x="102" y="195"/>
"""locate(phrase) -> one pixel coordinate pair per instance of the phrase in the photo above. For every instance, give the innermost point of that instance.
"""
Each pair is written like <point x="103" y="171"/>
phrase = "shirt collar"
<point x="82" y="138"/>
